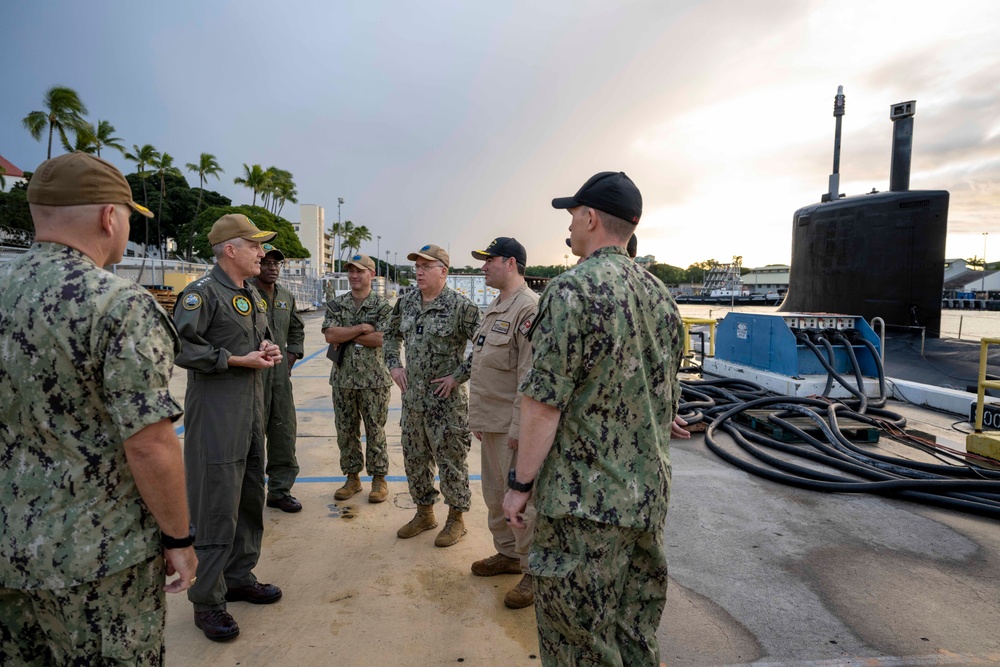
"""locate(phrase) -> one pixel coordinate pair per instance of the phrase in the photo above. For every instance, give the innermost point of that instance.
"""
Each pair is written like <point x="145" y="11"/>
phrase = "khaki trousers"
<point x="497" y="461"/>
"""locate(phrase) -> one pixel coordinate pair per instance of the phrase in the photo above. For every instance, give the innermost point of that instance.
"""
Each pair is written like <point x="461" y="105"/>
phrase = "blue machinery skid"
<point x="800" y="354"/>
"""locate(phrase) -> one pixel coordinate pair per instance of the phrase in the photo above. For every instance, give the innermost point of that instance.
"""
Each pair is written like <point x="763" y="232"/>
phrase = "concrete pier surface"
<point x="761" y="573"/>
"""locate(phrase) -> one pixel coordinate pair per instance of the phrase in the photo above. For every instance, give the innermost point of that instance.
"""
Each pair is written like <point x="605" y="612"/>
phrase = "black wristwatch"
<point x="177" y="542"/>
<point x="512" y="482"/>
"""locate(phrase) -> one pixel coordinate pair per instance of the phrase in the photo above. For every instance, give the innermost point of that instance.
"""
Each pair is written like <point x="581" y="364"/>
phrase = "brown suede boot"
<point x="424" y="520"/>
<point x="350" y="487"/>
<point x="453" y="529"/>
<point x="380" y="490"/>
<point x="522" y="595"/>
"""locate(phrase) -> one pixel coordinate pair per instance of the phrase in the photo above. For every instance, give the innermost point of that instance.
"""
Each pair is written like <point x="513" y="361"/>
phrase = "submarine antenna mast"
<point x="838" y="113"/>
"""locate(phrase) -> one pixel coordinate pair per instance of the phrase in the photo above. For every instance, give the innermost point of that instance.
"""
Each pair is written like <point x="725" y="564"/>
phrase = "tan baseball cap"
<point x="362" y="262"/>
<point x="237" y="226"/>
<point x="78" y="178"/>
<point x="431" y="252"/>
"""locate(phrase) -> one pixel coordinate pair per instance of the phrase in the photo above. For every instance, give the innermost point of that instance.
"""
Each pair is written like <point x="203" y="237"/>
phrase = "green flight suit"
<point x="279" y="403"/>
<point x="224" y="431"/>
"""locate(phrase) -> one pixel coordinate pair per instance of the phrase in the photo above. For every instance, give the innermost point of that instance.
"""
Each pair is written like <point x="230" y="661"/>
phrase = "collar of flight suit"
<point x="223" y="278"/>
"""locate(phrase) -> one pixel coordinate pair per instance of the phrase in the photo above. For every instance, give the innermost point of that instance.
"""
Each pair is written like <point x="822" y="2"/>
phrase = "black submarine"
<point x="875" y="255"/>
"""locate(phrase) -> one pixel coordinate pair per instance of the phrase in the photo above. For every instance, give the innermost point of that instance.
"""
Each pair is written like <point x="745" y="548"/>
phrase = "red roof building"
<point x="9" y="169"/>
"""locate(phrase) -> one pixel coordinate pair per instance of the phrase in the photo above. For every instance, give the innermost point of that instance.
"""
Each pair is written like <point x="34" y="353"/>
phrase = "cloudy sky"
<point x="452" y="122"/>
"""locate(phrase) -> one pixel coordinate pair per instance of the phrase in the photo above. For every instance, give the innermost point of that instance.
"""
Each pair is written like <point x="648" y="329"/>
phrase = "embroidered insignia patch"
<point x="262" y="305"/>
<point x="281" y="305"/>
<point x="525" y="326"/>
<point x="500" y="326"/>
<point x="192" y="301"/>
<point x="242" y="304"/>
<point x="480" y="340"/>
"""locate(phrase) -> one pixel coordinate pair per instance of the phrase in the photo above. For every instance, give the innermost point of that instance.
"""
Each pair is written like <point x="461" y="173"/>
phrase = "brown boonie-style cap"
<point x="431" y="252"/>
<point x="237" y="226"/>
<point x="78" y="178"/>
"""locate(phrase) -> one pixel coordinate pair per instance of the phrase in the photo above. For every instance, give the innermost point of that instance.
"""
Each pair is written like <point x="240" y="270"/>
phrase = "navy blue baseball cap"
<point x="610" y="191"/>
<point x="503" y="246"/>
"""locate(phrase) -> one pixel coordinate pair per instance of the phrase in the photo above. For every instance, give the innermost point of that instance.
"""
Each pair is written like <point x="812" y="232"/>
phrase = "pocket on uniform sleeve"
<point x="139" y="635"/>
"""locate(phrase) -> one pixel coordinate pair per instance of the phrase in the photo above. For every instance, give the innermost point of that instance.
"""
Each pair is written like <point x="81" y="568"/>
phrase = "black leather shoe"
<point x="256" y="593"/>
<point x="217" y="624"/>
<point x="285" y="504"/>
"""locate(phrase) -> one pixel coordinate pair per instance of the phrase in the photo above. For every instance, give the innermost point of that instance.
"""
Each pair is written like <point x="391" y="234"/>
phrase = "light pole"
<point x="985" y="234"/>
<point x="377" y="251"/>
<point x="387" y="267"/>
<point x="395" y="266"/>
<point x="336" y="237"/>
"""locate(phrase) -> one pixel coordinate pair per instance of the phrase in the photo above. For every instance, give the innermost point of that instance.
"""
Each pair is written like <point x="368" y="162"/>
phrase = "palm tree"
<point x="85" y="139"/>
<point x="358" y="236"/>
<point x="143" y="157"/>
<point x="103" y="136"/>
<point x="286" y="192"/>
<point x="344" y="230"/>
<point x="63" y="111"/>
<point x="207" y="166"/>
<point x="164" y="165"/>
<point x="255" y="178"/>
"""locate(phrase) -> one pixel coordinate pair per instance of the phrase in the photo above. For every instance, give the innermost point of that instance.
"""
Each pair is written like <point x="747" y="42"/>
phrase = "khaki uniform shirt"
<point x="362" y="367"/>
<point x="607" y="347"/>
<point x="436" y="336"/>
<point x="501" y="356"/>
<point x="85" y="362"/>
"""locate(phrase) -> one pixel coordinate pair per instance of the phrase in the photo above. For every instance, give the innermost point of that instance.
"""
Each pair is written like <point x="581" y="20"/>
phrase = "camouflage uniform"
<point x="501" y="355"/>
<point x="361" y="386"/>
<point x="607" y="346"/>
<point x="224" y="431"/>
<point x="85" y="362"/>
<point x="279" y="403"/>
<point x="434" y="429"/>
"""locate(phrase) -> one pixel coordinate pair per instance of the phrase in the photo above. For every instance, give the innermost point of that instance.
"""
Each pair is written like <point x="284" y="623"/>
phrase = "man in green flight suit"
<point x="436" y="323"/>
<point x="279" y="403"/>
<point x="354" y="325"/>
<point x="597" y="410"/>
<point x="225" y="345"/>
<point x="92" y="503"/>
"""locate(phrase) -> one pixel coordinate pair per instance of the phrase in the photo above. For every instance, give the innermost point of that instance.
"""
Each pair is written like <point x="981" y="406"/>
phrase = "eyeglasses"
<point x="424" y="268"/>
<point x="268" y="265"/>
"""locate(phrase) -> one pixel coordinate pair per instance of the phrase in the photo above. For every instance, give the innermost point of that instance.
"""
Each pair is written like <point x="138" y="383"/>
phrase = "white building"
<point x="764" y="279"/>
<point x="311" y="230"/>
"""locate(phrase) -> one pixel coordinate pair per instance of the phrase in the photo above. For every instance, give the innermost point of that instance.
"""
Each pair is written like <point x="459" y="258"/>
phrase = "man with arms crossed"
<point x="354" y="326"/>
<point x="501" y="356"/>
<point x="596" y="419"/>
<point x="94" y="515"/>
<point x="225" y="345"/>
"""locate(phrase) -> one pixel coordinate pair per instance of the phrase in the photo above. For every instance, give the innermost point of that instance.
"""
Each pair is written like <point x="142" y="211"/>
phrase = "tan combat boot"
<point x="350" y="487"/>
<point x="522" y="595"/>
<point x="453" y="529"/>
<point x="424" y="520"/>
<point x="380" y="491"/>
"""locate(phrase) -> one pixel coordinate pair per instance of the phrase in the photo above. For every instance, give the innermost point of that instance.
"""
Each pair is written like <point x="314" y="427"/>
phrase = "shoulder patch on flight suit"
<point x="526" y="325"/>
<point x="500" y="326"/>
<point x="242" y="304"/>
<point x="262" y="305"/>
<point x="192" y="301"/>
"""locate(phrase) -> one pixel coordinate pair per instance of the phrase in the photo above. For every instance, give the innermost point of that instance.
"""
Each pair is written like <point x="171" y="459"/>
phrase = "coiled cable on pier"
<point x="964" y="486"/>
